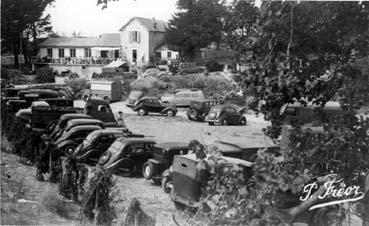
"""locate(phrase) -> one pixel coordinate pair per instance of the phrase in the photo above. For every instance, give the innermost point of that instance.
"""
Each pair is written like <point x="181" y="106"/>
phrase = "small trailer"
<point x="109" y="91"/>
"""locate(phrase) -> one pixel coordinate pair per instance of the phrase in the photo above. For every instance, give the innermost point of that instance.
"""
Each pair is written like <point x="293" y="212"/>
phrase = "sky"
<point x="68" y="16"/>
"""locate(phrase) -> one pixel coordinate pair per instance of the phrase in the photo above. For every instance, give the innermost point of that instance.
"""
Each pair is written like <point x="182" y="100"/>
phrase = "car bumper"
<point x="212" y="120"/>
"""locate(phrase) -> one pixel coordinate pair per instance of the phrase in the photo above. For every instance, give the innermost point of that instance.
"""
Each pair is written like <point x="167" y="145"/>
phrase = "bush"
<point x="45" y="75"/>
<point x="55" y="204"/>
<point x="78" y="86"/>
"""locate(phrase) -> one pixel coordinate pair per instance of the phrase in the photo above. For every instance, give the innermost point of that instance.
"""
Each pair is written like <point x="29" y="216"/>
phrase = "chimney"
<point x="154" y="24"/>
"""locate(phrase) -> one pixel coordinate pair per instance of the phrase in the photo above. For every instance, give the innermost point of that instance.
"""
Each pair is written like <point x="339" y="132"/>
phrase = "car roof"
<point x="74" y="116"/>
<point x="108" y="131"/>
<point x="97" y="100"/>
<point x="84" y="127"/>
<point x="134" y="140"/>
<point x="83" y="120"/>
<point x="173" y="145"/>
<point x="204" y="100"/>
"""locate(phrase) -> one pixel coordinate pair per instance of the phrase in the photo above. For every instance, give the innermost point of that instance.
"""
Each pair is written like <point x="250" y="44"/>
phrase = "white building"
<point x="141" y="38"/>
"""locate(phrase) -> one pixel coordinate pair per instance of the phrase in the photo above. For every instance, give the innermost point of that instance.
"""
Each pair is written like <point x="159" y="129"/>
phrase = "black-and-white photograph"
<point x="184" y="112"/>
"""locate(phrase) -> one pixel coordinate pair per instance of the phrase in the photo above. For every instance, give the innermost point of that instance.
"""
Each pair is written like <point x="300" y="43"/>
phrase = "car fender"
<point x="154" y="161"/>
<point x="116" y="163"/>
<point x="65" y="143"/>
<point x="137" y="107"/>
<point x="169" y="108"/>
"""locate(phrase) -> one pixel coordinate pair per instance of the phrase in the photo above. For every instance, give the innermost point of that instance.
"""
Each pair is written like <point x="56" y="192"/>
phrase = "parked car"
<point x="69" y="141"/>
<point x="226" y="115"/>
<point x="133" y="97"/>
<point x="188" y="179"/>
<point x="151" y="104"/>
<point x="184" y="98"/>
<point x="97" y="142"/>
<point x="127" y="155"/>
<point x="55" y="127"/>
<point x="162" y="160"/>
<point x="101" y="110"/>
<point x="59" y="102"/>
<point x="190" y="68"/>
<point x="200" y="108"/>
<point x="78" y="122"/>
<point x="154" y="72"/>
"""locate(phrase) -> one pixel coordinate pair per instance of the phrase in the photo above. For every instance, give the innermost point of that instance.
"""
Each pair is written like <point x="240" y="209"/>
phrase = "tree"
<point x="298" y="52"/>
<point x="196" y="25"/>
<point x="21" y="18"/>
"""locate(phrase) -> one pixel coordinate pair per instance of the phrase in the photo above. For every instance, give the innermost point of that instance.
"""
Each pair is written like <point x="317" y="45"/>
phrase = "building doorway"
<point x="134" y="55"/>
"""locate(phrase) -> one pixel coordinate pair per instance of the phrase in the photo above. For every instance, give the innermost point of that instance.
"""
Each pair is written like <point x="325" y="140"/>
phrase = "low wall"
<point x="84" y="71"/>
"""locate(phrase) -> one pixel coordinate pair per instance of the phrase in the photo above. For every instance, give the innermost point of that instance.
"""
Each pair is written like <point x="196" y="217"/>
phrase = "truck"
<point x="109" y="91"/>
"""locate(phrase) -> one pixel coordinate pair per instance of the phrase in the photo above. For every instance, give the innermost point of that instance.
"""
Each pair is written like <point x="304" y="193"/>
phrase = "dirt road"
<point x="18" y="182"/>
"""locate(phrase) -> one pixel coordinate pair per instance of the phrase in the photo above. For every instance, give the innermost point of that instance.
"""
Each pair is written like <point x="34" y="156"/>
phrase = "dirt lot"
<point x="18" y="184"/>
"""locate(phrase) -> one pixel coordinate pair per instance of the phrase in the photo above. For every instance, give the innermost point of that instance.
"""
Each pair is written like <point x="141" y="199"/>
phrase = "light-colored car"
<point x="154" y="72"/>
<point x="183" y="98"/>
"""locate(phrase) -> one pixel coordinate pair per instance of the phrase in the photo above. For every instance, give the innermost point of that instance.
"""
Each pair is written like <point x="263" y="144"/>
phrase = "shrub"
<point x="78" y="85"/>
<point x="45" y="75"/>
<point x="55" y="204"/>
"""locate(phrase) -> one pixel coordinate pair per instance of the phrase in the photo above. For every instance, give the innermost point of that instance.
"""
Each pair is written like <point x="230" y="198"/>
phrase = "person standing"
<point x="120" y="120"/>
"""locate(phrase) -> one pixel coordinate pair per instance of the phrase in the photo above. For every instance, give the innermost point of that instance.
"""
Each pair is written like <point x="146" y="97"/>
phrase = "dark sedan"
<point x="147" y="105"/>
<point x="226" y="115"/>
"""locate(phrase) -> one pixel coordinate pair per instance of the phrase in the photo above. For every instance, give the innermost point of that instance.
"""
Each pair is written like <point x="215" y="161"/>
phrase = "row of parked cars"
<point x="200" y="109"/>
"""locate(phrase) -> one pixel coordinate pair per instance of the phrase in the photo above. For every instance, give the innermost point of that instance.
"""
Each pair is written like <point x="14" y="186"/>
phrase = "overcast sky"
<point x="84" y="16"/>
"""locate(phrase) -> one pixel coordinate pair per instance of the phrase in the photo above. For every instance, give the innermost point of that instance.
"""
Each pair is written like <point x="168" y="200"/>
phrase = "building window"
<point x="50" y="53"/>
<point x="61" y="53"/>
<point x="87" y="52"/>
<point x="104" y="54"/>
<point x="169" y="54"/>
<point x="134" y="36"/>
<point x="158" y="55"/>
<point x="72" y="52"/>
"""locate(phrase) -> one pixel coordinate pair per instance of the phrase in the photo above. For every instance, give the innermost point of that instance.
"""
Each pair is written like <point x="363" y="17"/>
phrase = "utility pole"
<point x="20" y="52"/>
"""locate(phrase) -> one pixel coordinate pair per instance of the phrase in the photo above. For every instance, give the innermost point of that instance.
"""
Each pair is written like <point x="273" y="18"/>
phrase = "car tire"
<point x="211" y="123"/>
<point x="192" y="115"/>
<point x="148" y="170"/>
<point x="107" y="99"/>
<point x="141" y="111"/>
<point x="164" y="184"/>
<point x="129" y="169"/>
<point x="170" y="113"/>
<point x="243" y="121"/>
<point x="224" y="122"/>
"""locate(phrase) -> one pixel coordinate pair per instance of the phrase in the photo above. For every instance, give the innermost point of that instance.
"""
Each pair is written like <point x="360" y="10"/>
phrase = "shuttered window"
<point x="61" y="53"/>
<point x="50" y="53"/>
<point x="72" y="52"/>
<point x="134" y="36"/>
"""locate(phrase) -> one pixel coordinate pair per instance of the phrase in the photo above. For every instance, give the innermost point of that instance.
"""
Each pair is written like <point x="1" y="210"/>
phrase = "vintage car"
<point x="151" y="104"/>
<point x="183" y="98"/>
<point x="97" y="142"/>
<point x="55" y="127"/>
<point x="100" y="109"/>
<point x="162" y="160"/>
<point x="133" y="97"/>
<point x="127" y="155"/>
<point x="188" y="178"/>
<point x="78" y="122"/>
<point x="200" y="108"/>
<point x="226" y="115"/>
<point x="69" y="141"/>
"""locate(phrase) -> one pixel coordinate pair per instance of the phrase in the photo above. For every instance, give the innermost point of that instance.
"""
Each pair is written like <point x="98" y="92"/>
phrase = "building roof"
<point x="105" y="40"/>
<point x="150" y="24"/>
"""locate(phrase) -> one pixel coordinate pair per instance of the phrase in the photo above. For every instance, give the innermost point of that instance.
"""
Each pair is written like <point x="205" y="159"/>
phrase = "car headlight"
<point x="104" y="158"/>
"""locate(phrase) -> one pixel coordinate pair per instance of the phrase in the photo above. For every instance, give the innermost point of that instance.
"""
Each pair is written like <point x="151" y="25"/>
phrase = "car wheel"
<point x="107" y="99"/>
<point x="192" y="114"/>
<point x="243" y="121"/>
<point x="141" y="112"/>
<point x="170" y="113"/>
<point x="211" y="123"/>
<point x="224" y="122"/>
<point x="127" y="168"/>
<point x="164" y="184"/>
<point x="148" y="170"/>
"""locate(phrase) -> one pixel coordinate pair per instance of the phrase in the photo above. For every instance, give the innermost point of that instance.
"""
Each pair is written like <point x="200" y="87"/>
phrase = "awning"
<point x="114" y="64"/>
<point x="105" y="48"/>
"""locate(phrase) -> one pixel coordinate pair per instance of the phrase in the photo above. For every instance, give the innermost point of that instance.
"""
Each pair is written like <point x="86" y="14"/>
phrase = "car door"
<point x="156" y="106"/>
<point x="233" y="116"/>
